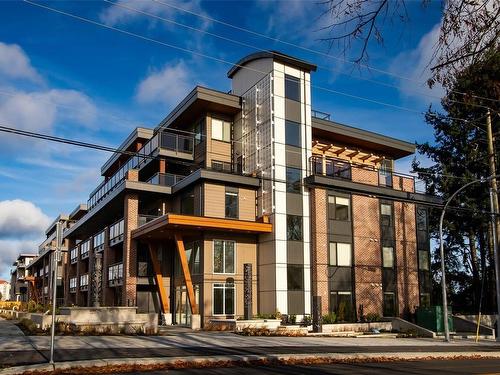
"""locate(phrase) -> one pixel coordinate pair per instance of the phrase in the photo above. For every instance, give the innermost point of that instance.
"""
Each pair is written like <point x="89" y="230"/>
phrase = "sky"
<point x="90" y="82"/>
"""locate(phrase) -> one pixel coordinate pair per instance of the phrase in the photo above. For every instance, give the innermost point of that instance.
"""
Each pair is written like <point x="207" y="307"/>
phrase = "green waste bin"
<point x="432" y="318"/>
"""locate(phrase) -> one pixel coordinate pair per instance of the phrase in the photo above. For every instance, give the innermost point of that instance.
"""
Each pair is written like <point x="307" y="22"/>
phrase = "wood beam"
<point x="366" y="157"/>
<point x="339" y="151"/>
<point x="353" y="154"/>
<point x="153" y="248"/>
<point x="187" y="275"/>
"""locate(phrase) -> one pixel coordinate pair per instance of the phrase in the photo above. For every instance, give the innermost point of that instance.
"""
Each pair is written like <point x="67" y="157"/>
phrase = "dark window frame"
<point x="292" y="88"/>
<point x="231" y="208"/>
<point x="293" y="186"/>
<point x="295" y="277"/>
<point x="291" y="130"/>
<point x="294" y="228"/>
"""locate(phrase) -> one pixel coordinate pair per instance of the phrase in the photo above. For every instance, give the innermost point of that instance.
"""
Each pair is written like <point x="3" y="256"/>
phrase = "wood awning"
<point x="170" y="224"/>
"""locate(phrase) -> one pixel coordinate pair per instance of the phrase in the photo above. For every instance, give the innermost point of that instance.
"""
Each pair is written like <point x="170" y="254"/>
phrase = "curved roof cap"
<point x="275" y="55"/>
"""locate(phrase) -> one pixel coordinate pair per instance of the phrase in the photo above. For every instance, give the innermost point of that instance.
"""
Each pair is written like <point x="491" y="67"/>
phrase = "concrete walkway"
<point x="9" y="329"/>
<point x="18" y="349"/>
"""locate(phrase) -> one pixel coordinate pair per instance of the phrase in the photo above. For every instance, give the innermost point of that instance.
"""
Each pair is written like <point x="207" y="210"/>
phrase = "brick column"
<point x="367" y="254"/>
<point x="319" y="246"/>
<point x="406" y="257"/>
<point x="131" y="212"/>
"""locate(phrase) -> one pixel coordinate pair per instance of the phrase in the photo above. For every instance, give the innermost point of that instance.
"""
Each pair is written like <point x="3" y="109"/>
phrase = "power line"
<point x="274" y="39"/>
<point x="352" y="96"/>
<point x="280" y="54"/>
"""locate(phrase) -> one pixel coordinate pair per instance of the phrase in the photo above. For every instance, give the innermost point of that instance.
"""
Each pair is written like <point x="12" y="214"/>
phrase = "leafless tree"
<point x="469" y="30"/>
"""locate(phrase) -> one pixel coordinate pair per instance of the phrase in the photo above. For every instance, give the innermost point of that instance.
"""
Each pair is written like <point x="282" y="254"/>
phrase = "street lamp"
<point x="55" y="260"/>
<point x="495" y="255"/>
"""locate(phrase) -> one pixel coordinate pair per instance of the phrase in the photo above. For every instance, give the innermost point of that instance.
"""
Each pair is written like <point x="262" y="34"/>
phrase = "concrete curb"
<point x="227" y="360"/>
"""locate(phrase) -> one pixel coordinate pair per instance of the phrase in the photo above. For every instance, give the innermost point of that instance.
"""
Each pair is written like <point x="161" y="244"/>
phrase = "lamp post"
<point x="55" y="260"/>
<point x="441" y="250"/>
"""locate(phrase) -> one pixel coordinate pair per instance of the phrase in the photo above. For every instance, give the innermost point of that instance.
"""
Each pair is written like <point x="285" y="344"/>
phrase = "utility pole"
<point x="494" y="203"/>
<point x="56" y="254"/>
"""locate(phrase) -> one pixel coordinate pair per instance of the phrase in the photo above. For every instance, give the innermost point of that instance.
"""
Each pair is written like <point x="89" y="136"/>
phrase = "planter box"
<point x="238" y="325"/>
<point x="356" y="327"/>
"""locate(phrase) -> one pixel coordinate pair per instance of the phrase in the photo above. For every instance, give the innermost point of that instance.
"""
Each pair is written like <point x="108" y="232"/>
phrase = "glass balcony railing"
<point x="84" y="282"/>
<point x="331" y="167"/>
<point x="165" y="179"/>
<point x="167" y="140"/>
<point x="143" y="219"/>
<point x="116" y="231"/>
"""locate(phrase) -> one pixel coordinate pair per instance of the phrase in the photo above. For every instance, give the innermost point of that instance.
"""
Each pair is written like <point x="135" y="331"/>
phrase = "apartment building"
<point x="250" y="202"/>
<point x="19" y="286"/>
<point x="40" y="269"/>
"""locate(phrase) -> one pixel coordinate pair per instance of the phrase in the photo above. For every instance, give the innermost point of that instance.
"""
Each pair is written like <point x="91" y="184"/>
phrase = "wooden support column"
<point x="186" y="273"/>
<point x="153" y="248"/>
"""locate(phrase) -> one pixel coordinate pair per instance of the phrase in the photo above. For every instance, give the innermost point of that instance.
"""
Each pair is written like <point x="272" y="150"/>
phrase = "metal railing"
<point x="320" y="115"/>
<point x="84" y="282"/>
<point x="73" y="284"/>
<point x="165" y="179"/>
<point x="115" y="274"/>
<point x="177" y="142"/>
<point x="331" y="167"/>
<point x="116" y="231"/>
<point x="143" y="219"/>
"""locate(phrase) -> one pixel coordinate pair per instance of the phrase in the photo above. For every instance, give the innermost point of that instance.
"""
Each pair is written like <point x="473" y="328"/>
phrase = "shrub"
<point x="31" y="306"/>
<point x="28" y="326"/>
<point x="329" y="318"/>
<point x="249" y="331"/>
<point x="306" y="321"/>
<point x="292" y="319"/>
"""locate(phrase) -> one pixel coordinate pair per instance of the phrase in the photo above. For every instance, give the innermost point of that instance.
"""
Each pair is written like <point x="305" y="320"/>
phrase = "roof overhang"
<point x="360" y="138"/>
<point x="276" y="56"/>
<point x="168" y="224"/>
<point x="201" y="100"/>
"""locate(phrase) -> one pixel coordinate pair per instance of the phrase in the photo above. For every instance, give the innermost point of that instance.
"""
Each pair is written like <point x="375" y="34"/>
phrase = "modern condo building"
<point x="251" y="196"/>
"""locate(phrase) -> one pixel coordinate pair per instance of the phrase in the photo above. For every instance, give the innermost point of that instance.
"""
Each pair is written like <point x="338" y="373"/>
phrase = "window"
<point x="224" y="257"/>
<point x="231" y="204"/>
<point x="187" y="203"/>
<point x="388" y="257"/>
<point x="386" y="214"/>
<point x="295" y="277"/>
<point x="84" y="249"/>
<point x="421" y="219"/>
<point x="294" y="228"/>
<point x="98" y="239"/>
<point x="338" y="208"/>
<point x="221" y="130"/>
<point x="193" y="257"/>
<point x="389" y="304"/>
<point x="340" y="254"/>
<point x="423" y="260"/>
<point x="198" y="132"/>
<point x="292" y="88"/>
<point x="341" y="305"/>
<point x="293" y="180"/>
<point x="223" y="299"/>
<point x="385" y="173"/>
<point x="292" y="133"/>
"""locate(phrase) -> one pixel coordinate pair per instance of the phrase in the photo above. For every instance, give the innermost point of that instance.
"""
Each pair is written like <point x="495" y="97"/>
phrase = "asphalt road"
<point x="489" y="367"/>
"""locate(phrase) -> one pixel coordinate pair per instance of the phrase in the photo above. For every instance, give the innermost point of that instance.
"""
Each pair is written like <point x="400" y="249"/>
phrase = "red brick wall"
<point x="406" y="257"/>
<point x="365" y="176"/>
<point x="319" y="238"/>
<point x="367" y="255"/>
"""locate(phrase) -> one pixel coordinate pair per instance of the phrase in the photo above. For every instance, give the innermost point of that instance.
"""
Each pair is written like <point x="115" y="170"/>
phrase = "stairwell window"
<point x="231" y="202"/>
<point x="340" y="254"/>
<point x="224" y="256"/>
<point x="388" y="257"/>
<point x="294" y="228"/>
<point x="292" y="87"/>
<point x="221" y="130"/>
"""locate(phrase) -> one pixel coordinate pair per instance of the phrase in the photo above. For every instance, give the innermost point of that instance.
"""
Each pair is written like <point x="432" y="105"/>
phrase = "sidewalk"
<point x="102" y="350"/>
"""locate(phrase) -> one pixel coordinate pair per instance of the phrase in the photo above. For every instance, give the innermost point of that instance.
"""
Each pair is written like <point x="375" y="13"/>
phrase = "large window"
<point x="231" y="204"/>
<point x="292" y="88"/>
<point x="389" y="304"/>
<point x="292" y="133"/>
<point x="293" y="180"/>
<point x="223" y="299"/>
<point x="224" y="256"/>
<point x="294" y="228"/>
<point x="385" y="173"/>
<point x="221" y="130"/>
<point x="295" y="277"/>
<point x="341" y="305"/>
<point x="423" y="260"/>
<point x="388" y="257"/>
<point x="193" y="257"/>
<point x="340" y="254"/>
<point x="339" y="208"/>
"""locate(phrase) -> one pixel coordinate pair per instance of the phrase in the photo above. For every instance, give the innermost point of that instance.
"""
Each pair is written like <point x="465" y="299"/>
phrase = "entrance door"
<point x="182" y="305"/>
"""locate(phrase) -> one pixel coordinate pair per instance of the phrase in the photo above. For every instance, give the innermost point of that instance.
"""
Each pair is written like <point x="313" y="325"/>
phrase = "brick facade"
<point x="131" y="212"/>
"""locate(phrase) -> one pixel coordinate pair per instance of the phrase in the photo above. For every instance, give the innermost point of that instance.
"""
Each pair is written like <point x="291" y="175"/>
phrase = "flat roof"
<point x="363" y="138"/>
<point x="78" y="212"/>
<point x="275" y="55"/>
<point x="139" y="132"/>
<point x="50" y="228"/>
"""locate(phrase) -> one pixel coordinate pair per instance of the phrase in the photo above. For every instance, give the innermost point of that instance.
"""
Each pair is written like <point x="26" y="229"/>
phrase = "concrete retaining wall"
<point x="404" y="326"/>
<point x="357" y="327"/>
<point x="487" y="320"/>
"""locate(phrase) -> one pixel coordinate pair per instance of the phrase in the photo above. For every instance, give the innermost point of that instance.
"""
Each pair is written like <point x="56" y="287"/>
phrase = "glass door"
<point x="182" y="305"/>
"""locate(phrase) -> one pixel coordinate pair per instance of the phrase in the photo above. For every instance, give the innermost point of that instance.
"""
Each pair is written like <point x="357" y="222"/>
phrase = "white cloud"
<point x="21" y="219"/>
<point x="15" y="64"/>
<point x="167" y="86"/>
<point x="118" y="14"/>
<point x="415" y="65"/>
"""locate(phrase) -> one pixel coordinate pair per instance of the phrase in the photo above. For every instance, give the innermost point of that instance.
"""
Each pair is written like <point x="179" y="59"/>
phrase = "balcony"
<point x="165" y="179"/>
<point x="331" y="167"/>
<point x="73" y="284"/>
<point x="84" y="249"/>
<point x="74" y="255"/>
<point x="144" y="219"/>
<point x="116" y="231"/>
<point x="115" y="274"/>
<point x="98" y="242"/>
<point x="166" y="143"/>
<point x="84" y="282"/>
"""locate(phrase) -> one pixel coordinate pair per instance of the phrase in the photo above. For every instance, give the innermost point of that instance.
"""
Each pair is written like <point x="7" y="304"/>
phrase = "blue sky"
<point x="68" y="78"/>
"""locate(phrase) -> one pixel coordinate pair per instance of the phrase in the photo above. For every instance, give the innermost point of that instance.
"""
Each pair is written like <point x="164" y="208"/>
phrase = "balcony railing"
<point x="365" y="174"/>
<point x="143" y="219"/>
<point x="165" y="179"/>
<point x="74" y="255"/>
<point x="116" y="231"/>
<point x="173" y="142"/>
<point x="320" y="115"/>
<point x="98" y="242"/>
<point x="84" y="282"/>
<point x="115" y="274"/>
<point x="73" y="284"/>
